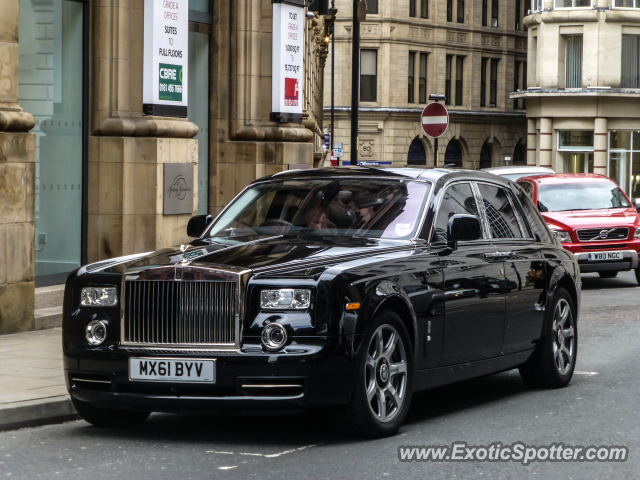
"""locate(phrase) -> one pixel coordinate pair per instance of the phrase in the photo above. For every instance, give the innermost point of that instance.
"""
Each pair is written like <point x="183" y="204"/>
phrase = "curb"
<point x="35" y="413"/>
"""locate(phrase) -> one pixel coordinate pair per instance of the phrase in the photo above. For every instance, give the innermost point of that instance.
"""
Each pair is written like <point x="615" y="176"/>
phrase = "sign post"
<point x="166" y="58"/>
<point x="435" y="121"/>
<point x="287" y="73"/>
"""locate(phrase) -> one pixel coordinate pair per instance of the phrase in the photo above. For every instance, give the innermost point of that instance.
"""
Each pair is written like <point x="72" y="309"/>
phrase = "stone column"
<point x="600" y="146"/>
<point x="532" y="137"/>
<point x="17" y="186"/>
<point x="546" y="142"/>
<point x="127" y="151"/>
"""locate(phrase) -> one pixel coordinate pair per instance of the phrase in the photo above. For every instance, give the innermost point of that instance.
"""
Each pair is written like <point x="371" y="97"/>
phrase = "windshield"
<point x="326" y="207"/>
<point x="581" y="196"/>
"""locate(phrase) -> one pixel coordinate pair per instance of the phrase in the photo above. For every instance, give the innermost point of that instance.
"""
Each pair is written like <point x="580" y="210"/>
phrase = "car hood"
<point x="261" y="254"/>
<point x="575" y="219"/>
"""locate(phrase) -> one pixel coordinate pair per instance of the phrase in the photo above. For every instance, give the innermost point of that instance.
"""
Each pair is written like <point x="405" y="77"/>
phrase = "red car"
<point x="592" y="218"/>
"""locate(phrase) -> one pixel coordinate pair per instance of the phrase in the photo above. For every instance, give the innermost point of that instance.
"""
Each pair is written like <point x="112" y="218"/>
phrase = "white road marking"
<point x="272" y="455"/>
<point x="588" y="374"/>
<point x="227" y="468"/>
<point x="224" y="453"/>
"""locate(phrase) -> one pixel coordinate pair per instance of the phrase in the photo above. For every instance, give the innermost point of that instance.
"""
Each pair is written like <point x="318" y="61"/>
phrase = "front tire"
<point x="609" y="274"/>
<point x="108" y="417"/>
<point x="553" y="362"/>
<point x="383" y="383"/>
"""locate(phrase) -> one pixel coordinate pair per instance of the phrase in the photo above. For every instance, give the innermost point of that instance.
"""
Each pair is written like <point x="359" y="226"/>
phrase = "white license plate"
<point x="604" y="256"/>
<point x="167" y="370"/>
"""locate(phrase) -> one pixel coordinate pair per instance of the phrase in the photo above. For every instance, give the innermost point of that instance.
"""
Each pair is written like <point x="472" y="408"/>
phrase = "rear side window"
<point x="536" y="222"/>
<point x="458" y="199"/>
<point x="502" y="219"/>
<point x="528" y="188"/>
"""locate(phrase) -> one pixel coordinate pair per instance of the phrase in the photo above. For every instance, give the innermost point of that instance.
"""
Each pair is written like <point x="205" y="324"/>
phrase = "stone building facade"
<point x="447" y="46"/>
<point x="583" y="99"/>
<point x="81" y="166"/>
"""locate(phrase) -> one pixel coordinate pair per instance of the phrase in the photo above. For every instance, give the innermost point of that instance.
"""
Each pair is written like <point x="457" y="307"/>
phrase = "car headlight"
<point x="285" y="298"/>
<point x="561" y="235"/>
<point x="636" y="236"/>
<point x="99" y="297"/>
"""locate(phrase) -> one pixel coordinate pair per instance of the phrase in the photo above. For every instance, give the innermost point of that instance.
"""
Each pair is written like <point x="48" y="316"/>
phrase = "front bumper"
<point x="629" y="261"/>
<point x="308" y="373"/>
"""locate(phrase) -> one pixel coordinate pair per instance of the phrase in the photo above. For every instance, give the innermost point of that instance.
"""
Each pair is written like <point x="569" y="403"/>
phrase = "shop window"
<point x="624" y="160"/>
<point x="630" y="61"/>
<point x="412" y="68"/>
<point x="422" y="82"/>
<point x="576" y="150"/>
<point x="368" y="75"/>
<point x="573" y="61"/>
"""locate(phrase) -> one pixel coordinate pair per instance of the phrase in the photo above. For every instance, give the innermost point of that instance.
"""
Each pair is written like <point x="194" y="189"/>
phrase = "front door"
<point x="474" y="292"/>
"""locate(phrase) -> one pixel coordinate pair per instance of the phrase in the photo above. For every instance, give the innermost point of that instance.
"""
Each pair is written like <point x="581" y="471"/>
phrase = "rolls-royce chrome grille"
<point x="168" y="313"/>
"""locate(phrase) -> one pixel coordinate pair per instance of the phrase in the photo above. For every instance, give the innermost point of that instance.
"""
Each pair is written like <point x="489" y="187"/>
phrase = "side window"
<point x="503" y="222"/>
<point x="458" y="198"/>
<point x="537" y="223"/>
<point x="528" y="188"/>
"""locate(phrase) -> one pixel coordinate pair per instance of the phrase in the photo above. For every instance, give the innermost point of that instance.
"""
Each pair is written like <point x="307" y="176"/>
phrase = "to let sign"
<point x="287" y="56"/>
<point x="435" y="120"/>
<point x="166" y="50"/>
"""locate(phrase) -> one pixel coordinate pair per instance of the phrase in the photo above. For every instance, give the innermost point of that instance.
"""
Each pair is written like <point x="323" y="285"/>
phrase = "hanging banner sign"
<point x="288" y="55"/>
<point x="166" y="57"/>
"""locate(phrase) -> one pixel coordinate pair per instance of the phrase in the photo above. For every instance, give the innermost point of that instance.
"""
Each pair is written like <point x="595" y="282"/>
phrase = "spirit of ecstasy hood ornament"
<point x="183" y="249"/>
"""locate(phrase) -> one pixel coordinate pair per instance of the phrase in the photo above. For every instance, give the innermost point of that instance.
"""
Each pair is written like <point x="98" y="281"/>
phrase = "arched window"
<point x="485" y="156"/>
<point x="453" y="154"/>
<point x="417" y="154"/>
<point x="520" y="153"/>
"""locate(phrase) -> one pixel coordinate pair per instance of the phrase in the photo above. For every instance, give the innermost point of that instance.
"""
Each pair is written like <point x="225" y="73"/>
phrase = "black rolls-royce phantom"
<point x="349" y="288"/>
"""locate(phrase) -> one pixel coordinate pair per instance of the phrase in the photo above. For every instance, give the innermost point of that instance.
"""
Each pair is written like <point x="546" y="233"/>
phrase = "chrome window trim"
<point x="419" y="225"/>
<point x="239" y="276"/>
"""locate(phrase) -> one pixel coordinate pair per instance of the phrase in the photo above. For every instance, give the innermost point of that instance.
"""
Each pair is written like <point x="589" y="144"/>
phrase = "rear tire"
<point x="553" y="362"/>
<point x="608" y="274"/>
<point x="383" y="382"/>
<point x="108" y="417"/>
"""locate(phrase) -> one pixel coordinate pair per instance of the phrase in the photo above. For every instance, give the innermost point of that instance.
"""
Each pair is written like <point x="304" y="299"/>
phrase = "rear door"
<point x="474" y="302"/>
<point x="524" y="280"/>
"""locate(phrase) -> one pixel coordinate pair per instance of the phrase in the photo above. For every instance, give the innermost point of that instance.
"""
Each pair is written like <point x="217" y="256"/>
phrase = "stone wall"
<point x="17" y="186"/>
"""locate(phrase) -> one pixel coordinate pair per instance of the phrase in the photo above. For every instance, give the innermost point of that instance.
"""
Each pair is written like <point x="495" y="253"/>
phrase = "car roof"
<point x="433" y="174"/>
<point x="557" y="178"/>
<point x="516" y="169"/>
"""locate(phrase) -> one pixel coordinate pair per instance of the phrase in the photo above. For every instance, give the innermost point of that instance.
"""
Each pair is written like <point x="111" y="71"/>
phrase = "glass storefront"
<point x="624" y="160"/>
<point x="51" y="88"/>
<point x="198" y="110"/>
<point x="576" y="150"/>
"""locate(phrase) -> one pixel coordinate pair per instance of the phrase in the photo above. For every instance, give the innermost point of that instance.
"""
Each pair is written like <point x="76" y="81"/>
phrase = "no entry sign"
<point x="435" y="119"/>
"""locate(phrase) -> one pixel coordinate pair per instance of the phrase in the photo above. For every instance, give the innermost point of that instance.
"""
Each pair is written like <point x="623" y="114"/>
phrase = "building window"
<point x="412" y="70"/>
<point x="201" y="11"/>
<point x="537" y="5"/>
<point x="424" y="8"/>
<point x="626" y="4"/>
<point x="372" y="7"/>
<point x="459" y="76"/>
<point x="412" y="8"/>
<point x="493" y="83"/>
<point x="527" y="11"/>
<point x="483" y="82"/>
<point x="494" y="13"/>
<point x="447" y="84"/>
<point x="624" y="160"/>
<point x="368" y="75"/>
<point x="573" y="61"/>
<point x="484" y="12"/>
<point x="575" y="148"/>
<point x="422" y="85"/>
<point x="518" y="15"/>
<point x="573" y="3"/>
<point x="516" y="82"/>
<point x="460" y="11"/>
<point x="630" y="61"/>
<point x="449" y="10"/>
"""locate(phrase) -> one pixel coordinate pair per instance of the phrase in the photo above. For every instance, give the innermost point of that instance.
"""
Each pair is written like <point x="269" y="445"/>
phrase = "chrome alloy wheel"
<point x="385" y="373"/>
<point x="563" y="337"/>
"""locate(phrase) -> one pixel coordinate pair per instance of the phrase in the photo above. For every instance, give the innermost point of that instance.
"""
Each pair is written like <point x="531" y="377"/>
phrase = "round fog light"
<point x="96" y="332"/>
<point x="274" y="336"/>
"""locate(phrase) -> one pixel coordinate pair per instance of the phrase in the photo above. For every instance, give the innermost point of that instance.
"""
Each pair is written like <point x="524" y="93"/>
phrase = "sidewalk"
<point x="32" y="389"/>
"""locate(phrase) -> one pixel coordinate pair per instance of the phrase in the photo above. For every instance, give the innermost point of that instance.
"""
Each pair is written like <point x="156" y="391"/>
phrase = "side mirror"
<point x="198" y="224"/>
<point x="542" y="208"/>
<point x="463" y="227"/>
